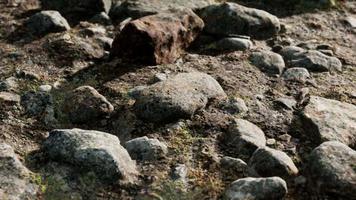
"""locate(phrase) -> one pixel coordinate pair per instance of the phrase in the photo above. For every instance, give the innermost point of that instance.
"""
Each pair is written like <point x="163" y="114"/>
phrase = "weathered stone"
<point x="140" y="8"/>
<point x="268" y="162"/>
<point x="268" y="61"/>
<point x="85" y="104"/>
<point x="49" y="21"/>
<point x="296" y="74"/>
<point x="9" y="98"/>
<point x="77" y="10"/>
<point x="235" y="106"/>
<point x="312" y="60"/>
<point x="9" y="84"/>
<point x="101" y="18"/>
<point x="233" y="165"/>
<point x="146" y="149"/>
<point x="327" y="120"/>
<point x="179" y="96"/>
<point x="92" y="151"/>
<point x="286" y="102"/>
<point x="233" y="19"/>
<point x="231" y="44"/>
<point x="244" y="137"/>
<point x="15" y="178"/>
<point x="257" y="189"/>
<point x="332" y="172"/>
<point x="157" y="39"/>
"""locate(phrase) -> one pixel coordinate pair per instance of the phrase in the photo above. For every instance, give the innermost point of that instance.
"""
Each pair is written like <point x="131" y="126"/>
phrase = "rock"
<point x="140" y="8"/>
<point x="257" y="188"/>
<point x="45" y="88"/>
<point x="91" y="151"/>
<point x="77" y="10"/>
<point x="15" y="178"/>
<point x="268" y="61"/>
<point x="85" y="104"/>
<point x="327" y="120"/>
<point x="235" y="106"/>
<point x="159" y="77"/>
<point x="27" y="75"/>
<point x="9" y="84"/>
<point x="101" y="18"/>
<point x="232" y="19"/>
<point x="9" y="98"/>
<point x="266" y="162"/>
<point x="157" y="39"/>
<point x="312" y="60"/>
<point x="231" y="44"/>
<point x="351" y="21"/>
<point x="244" y="137"/>
<point x="180" y="172"/>
<point x="179" y="96"/>
<point x="39" y="105"/>
<point x="146" y="149"/>
<point x="48" y="21"/>
<point x="286" y="102"/>
<point x="271" y="142"/>
<point x="296" y="74"/>
<point x="331" y="170"/>
<point x="233" y="165"/>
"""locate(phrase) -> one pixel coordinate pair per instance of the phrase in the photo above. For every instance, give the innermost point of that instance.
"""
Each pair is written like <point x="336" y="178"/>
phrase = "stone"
<point x="140" y="8"/>
<point x="101" y="18"/>
<point x="180" y="96"/>
<point x="231" y="44"/>
<point x="180" y="172"/>
<point x="331" y="170"/>
<point x="77" y="10"/>
<point x="244" y="137"/>
<point x="267" y="162"/>
<point x="48" y="21"/>
<point x="85" y="104"/>
<point x="257" y="188"/>
<point x="268" y="61"/>
<point x="159" y="77"/>
<point x="312" y="60"/>
<point x="233" y="165"/>
<point x="297" y="74"/>
<point x="9" y="98"/>
<point x="157" y="39"/>
<point x="328" y="120"/>
<point x="9" y="84"/>
<point x="351" y="21"/>
<point x="15" y="178"/>
<point x="94" y="151"/>
<point x="146" y="149"/>
<point x="228" y="19"/>
<point x="45" y="88"/>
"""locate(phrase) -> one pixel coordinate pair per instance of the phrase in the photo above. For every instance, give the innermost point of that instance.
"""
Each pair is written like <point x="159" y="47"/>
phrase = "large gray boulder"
<point x="233" y="19"/>
<point x="94" y="151"/>
<point x="15" y="178"/>
<point x="77" y="9"/>
<point x="268" y="162"/>
<point x="139" y="8"/>
<point x="146" y="149"/>
<point x="48" y="21"/>
<point x="268" y="61"/>
<point x="257" y="189"/>
<point x="313" y="60"/>
<point x="179" y="96"/>
<point x="85" y="104"/>
<point x="331" y="170"/>
<point x="244" y="137"/>
<point x="327" y="120"/>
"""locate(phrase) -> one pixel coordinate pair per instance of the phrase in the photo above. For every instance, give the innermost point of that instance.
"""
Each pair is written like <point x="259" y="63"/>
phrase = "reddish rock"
<point x="157" y="39"/>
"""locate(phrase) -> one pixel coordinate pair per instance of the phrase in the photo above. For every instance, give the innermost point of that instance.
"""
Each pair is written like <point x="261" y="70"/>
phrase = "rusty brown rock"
<point x="157" y="39"/>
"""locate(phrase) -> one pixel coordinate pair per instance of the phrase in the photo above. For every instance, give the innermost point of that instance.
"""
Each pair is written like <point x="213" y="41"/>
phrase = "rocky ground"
<point x="139" y="99"/>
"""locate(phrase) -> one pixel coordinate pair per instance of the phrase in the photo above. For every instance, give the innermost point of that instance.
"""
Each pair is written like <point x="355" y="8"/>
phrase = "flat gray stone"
<point x="297" y="74"/>
<point x="268" y="61"/>
<point x="146" y="149"/>
<point x="49" y="21"/>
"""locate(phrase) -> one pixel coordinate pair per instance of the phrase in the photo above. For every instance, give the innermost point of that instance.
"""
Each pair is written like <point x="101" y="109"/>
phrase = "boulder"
<point x="140" y="8"/>
<point x="90" y="150"/>
<point x="266" y="162"/>
<point x="331" y="171"/>
<point x="48" y="21"/>
<point x="244" y="137"/>
<point x="85" y="104"/>
<point x="15" y="178"/>
<point x="233" y="19"/>
<point x="146" y="149"/>
<point x="268" y="61"/>
<point x="157" y="39"/>
<point x="231" y="44"/>
<point x="297" y="74"/>
<point x="327" y="120"/>
<point x="179" y="96"/>
<point x="257" y="189"/>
